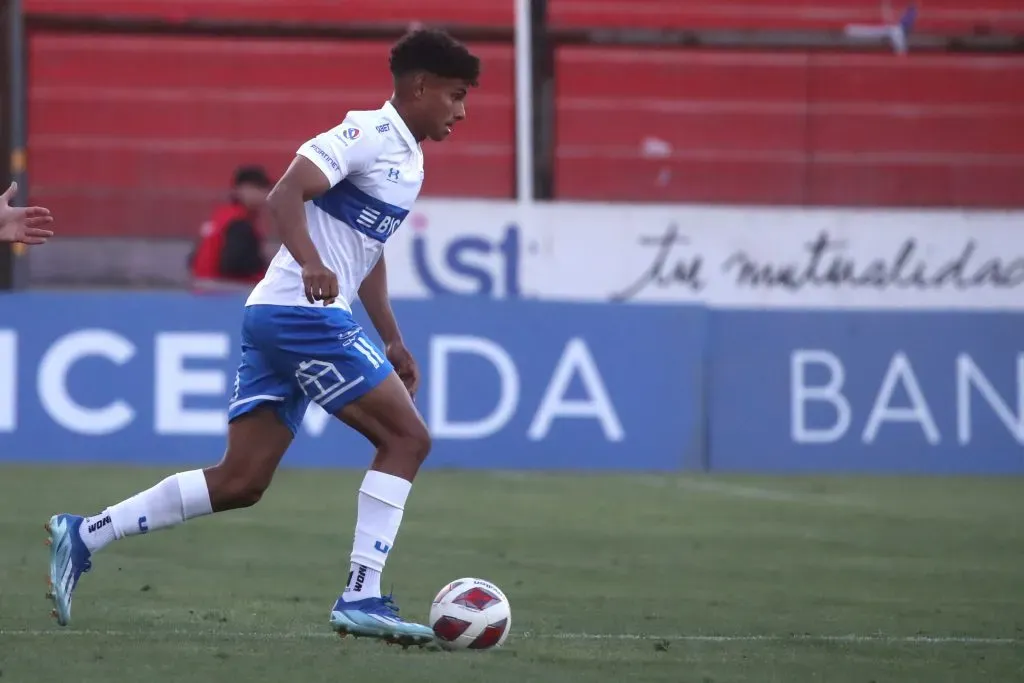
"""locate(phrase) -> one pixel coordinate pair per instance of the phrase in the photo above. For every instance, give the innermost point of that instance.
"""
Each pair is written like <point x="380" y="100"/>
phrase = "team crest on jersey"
<point x="351" y="134"/>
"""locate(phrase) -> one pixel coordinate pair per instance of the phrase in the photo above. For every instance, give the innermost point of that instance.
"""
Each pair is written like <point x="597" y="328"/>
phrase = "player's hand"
<point x="320" y="283"/>
<point x="405" y="366"/>
<point x="26" y="225"/>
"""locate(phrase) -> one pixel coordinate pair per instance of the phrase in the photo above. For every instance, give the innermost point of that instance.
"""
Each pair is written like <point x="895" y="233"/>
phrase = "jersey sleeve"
<point x="347" y="149"/>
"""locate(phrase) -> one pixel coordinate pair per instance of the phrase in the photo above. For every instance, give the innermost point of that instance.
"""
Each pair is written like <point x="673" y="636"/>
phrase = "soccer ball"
<point x="470" y="614"/>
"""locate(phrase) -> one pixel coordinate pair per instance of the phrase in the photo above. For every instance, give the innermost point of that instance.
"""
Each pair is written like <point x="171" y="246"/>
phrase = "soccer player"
<point x="24" y="225"/>
<point x="346" y="191"/>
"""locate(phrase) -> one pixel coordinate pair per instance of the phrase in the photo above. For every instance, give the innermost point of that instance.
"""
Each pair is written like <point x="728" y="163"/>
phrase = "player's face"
<point x="444" y="105"/>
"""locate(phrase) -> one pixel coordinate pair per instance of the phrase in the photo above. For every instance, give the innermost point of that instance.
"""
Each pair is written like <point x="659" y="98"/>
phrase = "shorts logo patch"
<point x="351" y="134"/>
<point x="318" y="378"/>
<point x="321" y="381"/>
<point x="348" y="336"/>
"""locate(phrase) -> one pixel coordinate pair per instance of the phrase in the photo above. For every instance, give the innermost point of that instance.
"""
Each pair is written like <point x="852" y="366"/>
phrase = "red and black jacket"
<point x="230" y="248"/>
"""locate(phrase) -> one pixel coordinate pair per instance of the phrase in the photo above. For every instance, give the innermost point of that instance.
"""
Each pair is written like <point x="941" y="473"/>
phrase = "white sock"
<point x="177" y="498"/>
<point x="378" y="515"/>
<point x="363" y="582"/>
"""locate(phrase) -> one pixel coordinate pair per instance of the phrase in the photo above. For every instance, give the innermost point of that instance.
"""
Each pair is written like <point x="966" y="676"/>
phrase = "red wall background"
<point x="139" y="135"/>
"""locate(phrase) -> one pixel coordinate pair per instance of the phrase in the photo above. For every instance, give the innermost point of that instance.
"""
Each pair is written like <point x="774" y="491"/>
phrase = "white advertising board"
<point x="726" y="257"/>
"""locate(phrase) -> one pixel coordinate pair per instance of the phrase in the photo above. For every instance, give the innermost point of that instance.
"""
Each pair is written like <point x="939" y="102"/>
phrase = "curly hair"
<point x="437" y="53"/>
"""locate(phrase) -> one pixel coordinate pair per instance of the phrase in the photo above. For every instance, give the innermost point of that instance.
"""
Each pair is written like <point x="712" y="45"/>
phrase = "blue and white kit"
<point x="294" y="352"/>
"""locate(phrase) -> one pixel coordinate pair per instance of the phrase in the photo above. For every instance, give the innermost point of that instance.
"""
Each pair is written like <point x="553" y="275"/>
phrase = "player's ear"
<point x="419" y="84"/>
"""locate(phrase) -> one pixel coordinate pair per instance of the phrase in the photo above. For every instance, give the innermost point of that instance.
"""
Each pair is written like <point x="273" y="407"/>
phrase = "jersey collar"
<point x="392" y="114"/>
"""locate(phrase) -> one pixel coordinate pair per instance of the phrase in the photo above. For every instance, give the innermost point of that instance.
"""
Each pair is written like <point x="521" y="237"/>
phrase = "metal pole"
<point x="543" y="103"/>
<point x="19" y="131"/>
<point x="13" y="128"/>
<point x="524" y="102"/>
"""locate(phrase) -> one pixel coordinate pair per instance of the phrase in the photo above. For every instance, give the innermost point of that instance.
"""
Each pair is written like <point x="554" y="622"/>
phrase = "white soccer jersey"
<point x="375" y="167"/>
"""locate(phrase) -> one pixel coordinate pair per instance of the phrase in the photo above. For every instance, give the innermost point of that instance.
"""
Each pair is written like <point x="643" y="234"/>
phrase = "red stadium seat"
<point x="479" y="12"/>
<point x="846" y="129"/>
<point x="123" y="127"/>
<point x="936" y="15"/>
<point x="956" y="16"/>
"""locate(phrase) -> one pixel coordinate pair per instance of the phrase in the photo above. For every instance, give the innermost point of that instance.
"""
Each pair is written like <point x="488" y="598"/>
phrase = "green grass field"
<point x="627" y="578"/>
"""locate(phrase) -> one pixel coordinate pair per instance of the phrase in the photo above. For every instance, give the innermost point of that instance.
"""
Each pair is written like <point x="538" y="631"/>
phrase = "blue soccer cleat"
<point x="378" y="618"/>
<point x="69" y="559"/>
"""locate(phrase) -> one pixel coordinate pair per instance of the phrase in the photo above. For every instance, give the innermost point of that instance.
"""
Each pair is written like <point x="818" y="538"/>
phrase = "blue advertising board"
<point x="907" y="391"/>
<point x="145" y="378"/>
<point x="519" y="384"/>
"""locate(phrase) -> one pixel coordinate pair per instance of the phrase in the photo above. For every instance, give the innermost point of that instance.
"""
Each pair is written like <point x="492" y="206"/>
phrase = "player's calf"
<point x="387" y="417"/>
<point x="389" y="420"/>
<point x="256" y="443"/>
<point x="73" y="539"/>
<point x="170" y="502"/>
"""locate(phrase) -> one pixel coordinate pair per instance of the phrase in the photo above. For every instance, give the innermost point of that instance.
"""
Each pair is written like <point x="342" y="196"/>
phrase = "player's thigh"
<point x="345" y="373"/>
<point x="266" y="376"/>
<point x="264" y="413"/>
<point x="386" y="416"/>
<point x="335" y="365"/>
<point x="257" y="440"/>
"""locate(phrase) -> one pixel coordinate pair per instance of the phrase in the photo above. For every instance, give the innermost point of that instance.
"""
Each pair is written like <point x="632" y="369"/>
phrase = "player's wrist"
<point x="311" y="262"/>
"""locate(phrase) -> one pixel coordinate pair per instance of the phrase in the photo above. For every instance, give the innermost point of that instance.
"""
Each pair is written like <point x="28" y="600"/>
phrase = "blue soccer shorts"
<point x="292" y="355"/>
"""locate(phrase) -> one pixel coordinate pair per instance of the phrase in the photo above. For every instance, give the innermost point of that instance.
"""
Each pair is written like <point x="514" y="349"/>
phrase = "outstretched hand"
<point x="26" y="225"/>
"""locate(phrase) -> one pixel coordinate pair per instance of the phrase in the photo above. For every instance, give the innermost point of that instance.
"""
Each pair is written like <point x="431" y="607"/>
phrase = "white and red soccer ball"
<point x="470" y="614"/>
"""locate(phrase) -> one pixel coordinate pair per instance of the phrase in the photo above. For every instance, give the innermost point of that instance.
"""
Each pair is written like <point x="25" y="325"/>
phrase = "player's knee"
<point x="231" y="489"/>
<point x="412" y="441"/>
<point x="420" y="441"/>
<point x="247" y="492"/>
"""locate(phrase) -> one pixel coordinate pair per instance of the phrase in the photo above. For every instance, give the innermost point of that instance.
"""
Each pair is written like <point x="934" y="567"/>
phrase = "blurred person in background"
<point x="229" y="254"/>
<point x="25" y="225"/>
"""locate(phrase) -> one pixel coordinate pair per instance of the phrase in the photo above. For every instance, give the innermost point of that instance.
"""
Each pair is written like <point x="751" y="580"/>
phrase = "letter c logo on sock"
<point x="143" y="527"/>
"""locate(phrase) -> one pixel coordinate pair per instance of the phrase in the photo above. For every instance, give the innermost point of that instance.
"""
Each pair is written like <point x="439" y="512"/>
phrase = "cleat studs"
<point x="47" y="527"/>
<point x="53" y="613"/>
<point x="48" y="542"/>
<point x="49" y="596"/>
